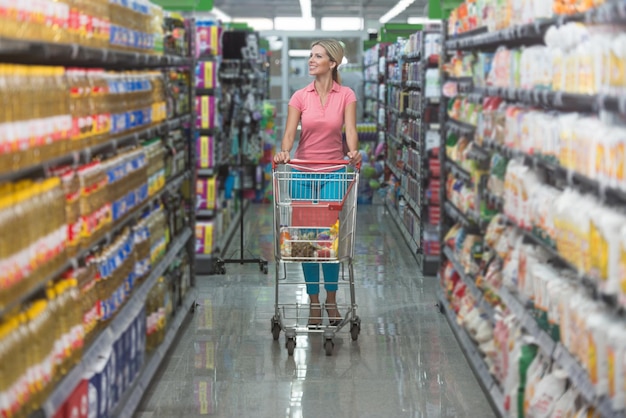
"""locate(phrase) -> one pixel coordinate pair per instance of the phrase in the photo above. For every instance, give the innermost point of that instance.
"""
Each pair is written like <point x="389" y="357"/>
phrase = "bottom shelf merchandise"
<point x="115" y="369"/>
<point x="62" y="328"/>
<point x="551" y="347"/>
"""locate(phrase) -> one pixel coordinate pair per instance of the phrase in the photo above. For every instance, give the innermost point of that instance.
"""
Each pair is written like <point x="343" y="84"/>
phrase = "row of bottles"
<point x="50" y="111"/>
<point x="37" y="345"/>
<point x="135" y="25"/>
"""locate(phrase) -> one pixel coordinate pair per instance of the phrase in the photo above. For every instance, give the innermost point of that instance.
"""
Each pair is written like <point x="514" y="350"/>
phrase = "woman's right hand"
<point x="282" y="157"/>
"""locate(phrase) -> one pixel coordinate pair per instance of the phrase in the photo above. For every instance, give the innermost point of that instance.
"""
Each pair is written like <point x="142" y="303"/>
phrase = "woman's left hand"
<point x="355" y="157"/>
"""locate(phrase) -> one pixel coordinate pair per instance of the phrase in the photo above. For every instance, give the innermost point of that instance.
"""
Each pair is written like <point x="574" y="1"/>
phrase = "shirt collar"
<point x="311" y="87"/>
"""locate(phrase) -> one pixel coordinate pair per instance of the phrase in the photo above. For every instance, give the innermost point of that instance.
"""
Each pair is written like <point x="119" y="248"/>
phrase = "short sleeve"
<point x="350" y="96"/>
<point x="296" y="100"/>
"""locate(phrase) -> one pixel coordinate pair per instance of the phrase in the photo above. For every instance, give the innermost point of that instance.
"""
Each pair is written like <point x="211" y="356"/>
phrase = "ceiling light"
<point x="294" y="23"/>
<point x="396" y="10"/>
<point x="422" y="21"/>
<point x="342" y="23"/>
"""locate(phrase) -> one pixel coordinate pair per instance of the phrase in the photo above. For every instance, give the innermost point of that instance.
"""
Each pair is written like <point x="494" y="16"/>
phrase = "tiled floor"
<point x="406" y="362"/>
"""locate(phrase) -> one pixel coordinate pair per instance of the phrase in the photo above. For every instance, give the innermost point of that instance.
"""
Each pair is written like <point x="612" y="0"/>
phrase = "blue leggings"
<point x="312" y="277"/>
<point x="313" y="187"/>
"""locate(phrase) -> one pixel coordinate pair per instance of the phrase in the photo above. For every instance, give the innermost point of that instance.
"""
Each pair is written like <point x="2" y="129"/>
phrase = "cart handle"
<point x="326" y="163"/>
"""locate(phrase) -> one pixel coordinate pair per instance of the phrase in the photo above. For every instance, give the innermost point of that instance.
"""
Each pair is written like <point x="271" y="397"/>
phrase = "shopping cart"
<point x="314" y="222"/>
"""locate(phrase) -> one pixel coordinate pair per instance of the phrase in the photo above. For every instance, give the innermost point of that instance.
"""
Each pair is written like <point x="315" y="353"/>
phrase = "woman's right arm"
<point x="289" y="137"/>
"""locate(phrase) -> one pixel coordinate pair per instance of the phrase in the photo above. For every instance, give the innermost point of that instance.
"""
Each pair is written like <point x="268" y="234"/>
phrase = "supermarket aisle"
<point x="406" y="362"/>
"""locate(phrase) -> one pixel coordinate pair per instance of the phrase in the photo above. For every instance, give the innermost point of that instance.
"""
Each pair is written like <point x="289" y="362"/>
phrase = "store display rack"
<point x="428" y="127"/>
<point x="20" y="51"/>
<point x="105" y="339"/>
<point x="410" y="124"/>
<point x="556" y="175"/>
<point x="241" y="79"/>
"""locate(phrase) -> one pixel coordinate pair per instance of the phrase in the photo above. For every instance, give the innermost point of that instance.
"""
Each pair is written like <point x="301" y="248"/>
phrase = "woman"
<point x="323" y="108"/>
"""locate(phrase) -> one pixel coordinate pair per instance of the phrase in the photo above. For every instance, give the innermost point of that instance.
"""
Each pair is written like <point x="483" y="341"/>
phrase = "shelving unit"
<point x="480" y="149"/>
<point x="412" y="140"/>
<point x="145" y="194"/>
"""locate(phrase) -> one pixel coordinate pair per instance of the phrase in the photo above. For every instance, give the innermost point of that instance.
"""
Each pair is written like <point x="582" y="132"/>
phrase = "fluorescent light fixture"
<point x="299" y="53"/>
<point x="422" y="21"/>
<point x="258" y="23"/>
<point x="305" y="6"/>
<point x="294" y="23"/>
<point x="221" y="15"/>
<point x="342" y="23"/>
<point x="396" y="10"/>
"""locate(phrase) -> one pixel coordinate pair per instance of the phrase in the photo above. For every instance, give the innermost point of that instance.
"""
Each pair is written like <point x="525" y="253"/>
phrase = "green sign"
<point x="186" y="5"/>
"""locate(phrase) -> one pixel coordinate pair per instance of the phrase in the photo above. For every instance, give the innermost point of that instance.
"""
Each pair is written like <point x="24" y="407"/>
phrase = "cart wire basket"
<point x="315" y="205"/>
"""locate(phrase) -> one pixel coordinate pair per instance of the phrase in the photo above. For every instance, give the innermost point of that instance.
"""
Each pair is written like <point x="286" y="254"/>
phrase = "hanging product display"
<point x="533" y="186"/>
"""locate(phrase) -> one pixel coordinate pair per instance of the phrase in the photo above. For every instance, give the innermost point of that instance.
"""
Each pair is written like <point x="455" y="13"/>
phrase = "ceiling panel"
<point x="368" y="9"/>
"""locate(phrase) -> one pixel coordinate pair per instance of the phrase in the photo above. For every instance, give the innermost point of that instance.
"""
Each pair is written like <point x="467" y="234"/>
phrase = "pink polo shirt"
<point x="321" y="134"/>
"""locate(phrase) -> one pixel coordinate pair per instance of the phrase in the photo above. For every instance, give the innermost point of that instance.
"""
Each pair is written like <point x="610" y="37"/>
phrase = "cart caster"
<point x="263" y="267"/>
<point x="355" y="330"/>
<point x="275" y="330"/>
<point x="291" y="345"/>
<point x="328" y="346"/>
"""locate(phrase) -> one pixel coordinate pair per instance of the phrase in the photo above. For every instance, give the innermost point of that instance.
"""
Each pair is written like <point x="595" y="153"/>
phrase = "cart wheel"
<point x="291" y="345"/>
<point x="355" y="330"/>
<point x="222" y="270"/>
<point x="328" y="347"/>
<point x="275" y="330"/>
<point x="265" y="269"/>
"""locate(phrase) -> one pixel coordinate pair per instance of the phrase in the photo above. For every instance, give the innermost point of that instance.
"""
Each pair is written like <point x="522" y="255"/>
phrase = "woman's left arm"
<point x="352" y="138"/>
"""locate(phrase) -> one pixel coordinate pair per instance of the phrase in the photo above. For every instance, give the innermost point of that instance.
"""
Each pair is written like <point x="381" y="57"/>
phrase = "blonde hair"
<point x="334" y="49"/>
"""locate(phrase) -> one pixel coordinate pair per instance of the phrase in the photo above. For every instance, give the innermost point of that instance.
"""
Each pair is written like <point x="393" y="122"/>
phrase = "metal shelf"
<point x="48" y="53"/>
<point x="460" y="127"/>
<point x="206" y="172"/>
<point x="533" y="33"/>
<point x="205" y="213"/>
<point x="208" y="92"/>
<point x="467" y="220"/>
<point x="458" y="171"/>
<point x="86" y="153"/>
<point x="105" y="339"/>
